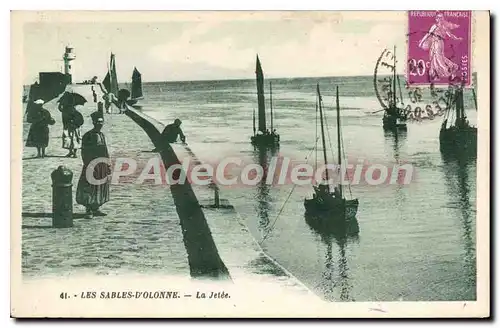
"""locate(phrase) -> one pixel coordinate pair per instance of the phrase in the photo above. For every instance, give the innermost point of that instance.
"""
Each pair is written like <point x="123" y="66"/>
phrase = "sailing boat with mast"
<point x="460" y="138"/>
<point x="110" y="82"/>
<point x="262" y="136"/>
<point x="330" y="206"/>
<point x="394" y="117"/>
<point x="136" y="89"/>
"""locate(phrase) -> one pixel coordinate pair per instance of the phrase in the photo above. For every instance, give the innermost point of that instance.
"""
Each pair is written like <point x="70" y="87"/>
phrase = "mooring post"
<point x="217" y="200"/>
<point x="62" y="197"/>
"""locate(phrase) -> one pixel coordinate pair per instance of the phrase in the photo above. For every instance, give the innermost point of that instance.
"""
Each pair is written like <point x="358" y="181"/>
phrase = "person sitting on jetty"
<point x="38" y="135"/>
<point x="93" y="195"/>
<point x="171" y="132"/>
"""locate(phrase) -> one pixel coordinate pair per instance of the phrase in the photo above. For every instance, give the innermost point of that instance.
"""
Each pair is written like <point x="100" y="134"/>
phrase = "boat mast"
<point x="254" y="121"/>
<point x="323" y="135"/>
<point x="271" y="103"/>
<point x="338" y="140"/>
<point x="459" y="107"/>
<point x="475" y="99"/>
<point x="113" y="78"/>
<point x="260" y="96"/>
<point x="394" y="80"/>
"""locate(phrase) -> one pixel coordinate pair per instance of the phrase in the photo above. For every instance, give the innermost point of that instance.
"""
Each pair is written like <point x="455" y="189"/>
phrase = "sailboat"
<point x="394" y="117"/>
<point x="330" y="206"/>
<point x="262" y="136"/>
<point x="110" y="81"/>
<point x="460" y="138"/>
<point x="136" y="89"/>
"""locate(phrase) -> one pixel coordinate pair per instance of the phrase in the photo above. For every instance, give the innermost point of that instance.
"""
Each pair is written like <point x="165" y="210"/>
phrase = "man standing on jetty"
<point x="171" y="132"/>
<point x="89" y="194"/>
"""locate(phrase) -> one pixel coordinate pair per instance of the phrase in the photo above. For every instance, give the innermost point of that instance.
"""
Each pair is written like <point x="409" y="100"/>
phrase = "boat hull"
<point x="332" y="220"/>
<point x="390" y="123"/>
<point x="332" y="209"/>
<point x="270" y="140"/>
<point x="458" y="141"/>
<point x="135" y="102"/>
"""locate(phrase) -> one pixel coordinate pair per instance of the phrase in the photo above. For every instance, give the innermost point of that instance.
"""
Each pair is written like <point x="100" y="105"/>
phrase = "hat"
<point x="96" y="117"/>
<point x="39" y="102"/>
<point x="177" y="121"/>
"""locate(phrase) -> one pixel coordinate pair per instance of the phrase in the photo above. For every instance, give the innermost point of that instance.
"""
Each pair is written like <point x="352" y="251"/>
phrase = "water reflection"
<point x="395" y="141"/>
<point x="262" y="156"/>
<point x="336" y="283"/>
<point x="460" y="187"/>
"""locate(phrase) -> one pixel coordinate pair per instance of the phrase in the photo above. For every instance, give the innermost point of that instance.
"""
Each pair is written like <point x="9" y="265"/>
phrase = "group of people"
<point x="92" y="144"/>
<point x="40" y="120"/>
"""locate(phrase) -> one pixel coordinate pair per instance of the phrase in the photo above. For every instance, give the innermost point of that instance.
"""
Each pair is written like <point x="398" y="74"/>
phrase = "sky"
<point x="201" y="47"/>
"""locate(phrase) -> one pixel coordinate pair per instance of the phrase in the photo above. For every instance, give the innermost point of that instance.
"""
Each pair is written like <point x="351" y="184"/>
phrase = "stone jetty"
<point x="150" y="228"/>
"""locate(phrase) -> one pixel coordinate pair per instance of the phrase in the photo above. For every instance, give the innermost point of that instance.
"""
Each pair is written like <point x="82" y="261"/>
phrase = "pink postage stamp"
<point x="439" y="47"/>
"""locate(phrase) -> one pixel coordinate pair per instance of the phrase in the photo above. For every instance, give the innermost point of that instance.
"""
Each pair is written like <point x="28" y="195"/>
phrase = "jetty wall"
<point x="204" y="260"/>
<point x="223" y="228"/>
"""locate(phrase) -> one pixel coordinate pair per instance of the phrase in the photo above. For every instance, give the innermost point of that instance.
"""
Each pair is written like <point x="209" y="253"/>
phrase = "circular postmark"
<point x="412" y="103"/>
<point x="383" y="84"/>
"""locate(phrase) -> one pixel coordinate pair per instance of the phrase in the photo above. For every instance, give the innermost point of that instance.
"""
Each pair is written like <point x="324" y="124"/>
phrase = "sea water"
<point x="416" y="242"/>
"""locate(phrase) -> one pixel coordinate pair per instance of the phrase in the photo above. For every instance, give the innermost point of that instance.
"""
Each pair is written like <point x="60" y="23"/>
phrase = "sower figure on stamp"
<point x="440" y="65"/>
<point x="93" y="194"/>
<point x="171" y="132"/>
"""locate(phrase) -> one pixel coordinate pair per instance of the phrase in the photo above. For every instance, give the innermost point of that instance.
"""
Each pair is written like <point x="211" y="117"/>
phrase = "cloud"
<point x="290" y="46"/>
<point x="327" y="49"/>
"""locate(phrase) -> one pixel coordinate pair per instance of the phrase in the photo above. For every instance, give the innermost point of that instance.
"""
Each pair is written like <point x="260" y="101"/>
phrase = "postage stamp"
<point x="439" y="47"/>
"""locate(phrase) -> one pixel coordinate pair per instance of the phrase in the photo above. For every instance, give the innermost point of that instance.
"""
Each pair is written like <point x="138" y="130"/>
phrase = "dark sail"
<point x="107" y="82"/>
<point x="260" y="96"/>
<point x="136" y="84"/>
<point x="114" y="80"/>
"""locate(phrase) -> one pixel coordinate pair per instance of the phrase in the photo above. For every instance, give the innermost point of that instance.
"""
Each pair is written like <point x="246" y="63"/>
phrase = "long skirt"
<point x="72" y="139"/>
<point x="441" y="67"/>
<point x="38" y="136"/>
<point x="90" y="194"/>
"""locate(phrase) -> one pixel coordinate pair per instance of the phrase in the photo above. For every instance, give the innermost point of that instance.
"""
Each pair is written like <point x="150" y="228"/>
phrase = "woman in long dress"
<point x="440" y="66"/>
<point x="72" y="122"/>
<point x="38" y="135"/>
<point x="93" y="194"/>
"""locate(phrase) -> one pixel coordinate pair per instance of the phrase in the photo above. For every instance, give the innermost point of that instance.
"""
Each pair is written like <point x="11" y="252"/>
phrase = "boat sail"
<point x="461" y="137"/>
<point x="330" y="206"/>
<point x="136" y="84"/>
<point x="110" y="82"/>
<point x="263" y="137"/>
<point x="136" y="89"/>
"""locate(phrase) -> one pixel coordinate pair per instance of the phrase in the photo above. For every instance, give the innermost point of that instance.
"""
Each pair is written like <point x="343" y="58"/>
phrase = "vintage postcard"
<point x="250" y="164"/>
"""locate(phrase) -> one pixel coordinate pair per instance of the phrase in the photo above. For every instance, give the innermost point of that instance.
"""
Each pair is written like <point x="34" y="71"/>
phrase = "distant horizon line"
<point x="251" y="79"/>
<point x="266" y="78"/>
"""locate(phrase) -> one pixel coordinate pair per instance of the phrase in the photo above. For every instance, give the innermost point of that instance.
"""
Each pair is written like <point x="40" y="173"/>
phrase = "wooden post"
<point x="217" y="200"/>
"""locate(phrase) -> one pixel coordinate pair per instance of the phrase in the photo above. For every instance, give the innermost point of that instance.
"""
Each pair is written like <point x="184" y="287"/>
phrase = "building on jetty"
<point x="52" y="84"/>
